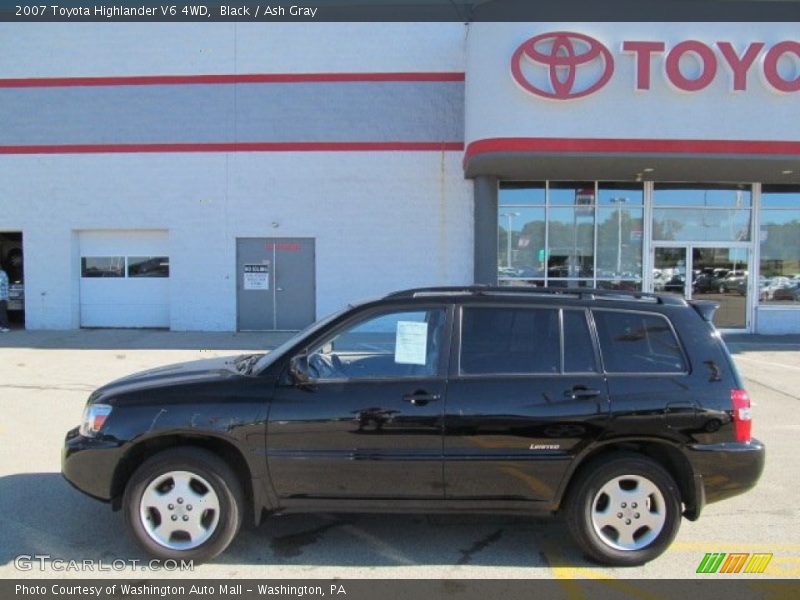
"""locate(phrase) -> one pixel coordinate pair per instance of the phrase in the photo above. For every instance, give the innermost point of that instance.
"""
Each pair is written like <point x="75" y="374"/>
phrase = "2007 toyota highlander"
<point x="621" y="411"/>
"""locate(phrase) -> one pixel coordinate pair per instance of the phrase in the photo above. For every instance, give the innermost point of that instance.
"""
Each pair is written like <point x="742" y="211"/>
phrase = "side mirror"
<point x="298" y="369"/>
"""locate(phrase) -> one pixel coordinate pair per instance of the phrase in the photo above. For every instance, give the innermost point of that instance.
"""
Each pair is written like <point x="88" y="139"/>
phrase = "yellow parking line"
<point x="566" y="575"/>
<point x="791" y="570"/>
<point x="569" y="576"/>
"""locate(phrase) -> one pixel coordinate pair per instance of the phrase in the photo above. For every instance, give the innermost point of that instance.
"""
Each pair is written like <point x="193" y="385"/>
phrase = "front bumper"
<point x="89" y="464"/>
<point x="726" y="470"/>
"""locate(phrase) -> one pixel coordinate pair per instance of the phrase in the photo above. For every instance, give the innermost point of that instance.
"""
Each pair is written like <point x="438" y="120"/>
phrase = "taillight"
<point x="742" y="423"/>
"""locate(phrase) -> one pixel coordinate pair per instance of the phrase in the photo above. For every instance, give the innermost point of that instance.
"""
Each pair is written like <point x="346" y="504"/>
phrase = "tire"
<point x="193" y="487"/>
<point x="597" y="497"/>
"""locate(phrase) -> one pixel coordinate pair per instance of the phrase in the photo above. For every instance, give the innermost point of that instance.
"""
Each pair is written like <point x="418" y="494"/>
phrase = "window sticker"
<point x="411" y="343"/>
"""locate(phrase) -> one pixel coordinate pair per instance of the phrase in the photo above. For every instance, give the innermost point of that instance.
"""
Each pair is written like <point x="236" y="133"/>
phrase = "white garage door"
<point x="124" y="278"/>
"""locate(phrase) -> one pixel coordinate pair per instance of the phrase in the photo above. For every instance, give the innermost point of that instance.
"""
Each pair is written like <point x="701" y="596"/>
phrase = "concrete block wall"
<point x="382" y="220"/>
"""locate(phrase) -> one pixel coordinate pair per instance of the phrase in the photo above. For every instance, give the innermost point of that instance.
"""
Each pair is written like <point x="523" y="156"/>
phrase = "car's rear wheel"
<point x="624" y="511"/>
<point x="184" y="503"/>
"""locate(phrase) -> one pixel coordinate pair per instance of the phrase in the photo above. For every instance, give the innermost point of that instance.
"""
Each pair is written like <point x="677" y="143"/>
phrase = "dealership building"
<point x="245" y="176"/>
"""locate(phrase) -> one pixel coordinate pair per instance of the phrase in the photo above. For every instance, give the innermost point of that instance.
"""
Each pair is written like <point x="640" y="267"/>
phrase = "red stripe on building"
<point x="228" y="79"/>
<point x="234" y="147"/>
<point x="629" y="146"/>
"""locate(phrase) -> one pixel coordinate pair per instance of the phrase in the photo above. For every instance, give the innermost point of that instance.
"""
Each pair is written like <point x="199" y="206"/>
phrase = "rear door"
<point x="648" y="373"/>
<point x="525" y="395"/>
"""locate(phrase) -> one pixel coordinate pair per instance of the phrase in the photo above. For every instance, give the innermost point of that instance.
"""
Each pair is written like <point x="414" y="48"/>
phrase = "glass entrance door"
<point x="706" y="272"/>
<point x="669" y="271"/>
<point x="720" y="274"/>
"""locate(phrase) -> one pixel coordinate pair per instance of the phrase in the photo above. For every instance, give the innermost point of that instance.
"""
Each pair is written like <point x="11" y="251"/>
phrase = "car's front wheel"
<point x="624" y="511"/>
<point x="183" y="503"/>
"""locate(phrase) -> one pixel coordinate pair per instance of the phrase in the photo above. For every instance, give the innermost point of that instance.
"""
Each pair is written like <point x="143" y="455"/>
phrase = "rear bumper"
<point x="89" y="464"/>
<point x="725" y="470"/>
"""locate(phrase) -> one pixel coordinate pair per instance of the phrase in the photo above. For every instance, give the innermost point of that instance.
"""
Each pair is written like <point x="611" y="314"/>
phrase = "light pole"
<point x="509" y="216"/>
<point x="619" y="202"/>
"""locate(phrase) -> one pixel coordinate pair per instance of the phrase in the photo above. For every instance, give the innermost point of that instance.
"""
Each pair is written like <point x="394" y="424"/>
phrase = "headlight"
<point x="94" y="416"/>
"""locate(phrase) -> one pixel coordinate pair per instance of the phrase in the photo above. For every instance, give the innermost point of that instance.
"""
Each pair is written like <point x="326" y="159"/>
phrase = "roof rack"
<point x="580" y="293"/>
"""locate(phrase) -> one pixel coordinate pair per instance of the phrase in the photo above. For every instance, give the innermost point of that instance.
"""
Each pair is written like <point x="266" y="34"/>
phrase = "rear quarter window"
<point x="632" y="342"/>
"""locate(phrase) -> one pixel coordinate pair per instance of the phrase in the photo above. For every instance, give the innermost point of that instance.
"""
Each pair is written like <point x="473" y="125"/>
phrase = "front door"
<point x="706" y="272"/>
<point x="275" y="283"/>
<point x="368" y="424"/>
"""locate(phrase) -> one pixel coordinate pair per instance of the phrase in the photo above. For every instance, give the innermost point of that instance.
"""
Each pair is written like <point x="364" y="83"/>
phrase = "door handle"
<point x="581" y="391"/>
<point x="421" y="398"/>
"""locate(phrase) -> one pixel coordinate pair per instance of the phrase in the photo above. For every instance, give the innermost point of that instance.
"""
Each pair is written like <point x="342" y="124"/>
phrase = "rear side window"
<point x="638" y="343"/>
<point x="510" y="340"/>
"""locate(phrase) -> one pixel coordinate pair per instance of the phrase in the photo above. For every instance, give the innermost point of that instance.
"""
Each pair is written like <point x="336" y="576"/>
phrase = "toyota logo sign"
<point x="550" y="65"/>
<point x="547" y="65"/>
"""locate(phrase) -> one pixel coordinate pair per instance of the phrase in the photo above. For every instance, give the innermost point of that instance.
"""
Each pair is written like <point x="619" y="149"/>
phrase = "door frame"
<point x="689" y="247"/>
<point x="273" y="277"/>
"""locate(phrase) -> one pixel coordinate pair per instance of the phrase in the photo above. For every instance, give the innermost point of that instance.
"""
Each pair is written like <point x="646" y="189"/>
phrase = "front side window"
<point x="637" y="343"/>
<point x="388" y="345"/>
<point x="509" y="340"/>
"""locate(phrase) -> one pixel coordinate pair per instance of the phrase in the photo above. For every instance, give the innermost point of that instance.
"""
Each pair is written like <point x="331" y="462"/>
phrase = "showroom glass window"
<point x="688" y="212"/>
<point x="779" y="235"/>
<point x="570" y="234"/>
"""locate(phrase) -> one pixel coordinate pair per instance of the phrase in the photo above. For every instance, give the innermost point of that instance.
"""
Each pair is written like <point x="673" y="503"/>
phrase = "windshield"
<point x="273" y="355"/>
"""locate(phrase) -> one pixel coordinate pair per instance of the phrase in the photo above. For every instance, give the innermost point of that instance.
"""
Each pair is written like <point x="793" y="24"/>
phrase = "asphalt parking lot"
<point x="45" y="378"/>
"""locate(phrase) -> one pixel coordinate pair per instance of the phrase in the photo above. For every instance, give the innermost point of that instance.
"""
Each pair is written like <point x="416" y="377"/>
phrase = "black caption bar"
<point x="403" y="10"/>
<point x="714" y="588"/>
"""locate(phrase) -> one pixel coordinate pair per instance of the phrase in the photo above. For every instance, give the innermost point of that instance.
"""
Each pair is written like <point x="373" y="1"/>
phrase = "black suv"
<point x="620" y="411"/>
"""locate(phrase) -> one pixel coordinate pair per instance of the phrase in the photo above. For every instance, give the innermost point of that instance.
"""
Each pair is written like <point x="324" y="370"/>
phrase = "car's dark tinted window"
<point x="637" y="343"/>
<point x="510" y="340"/>
<point x="578" y="347"/>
